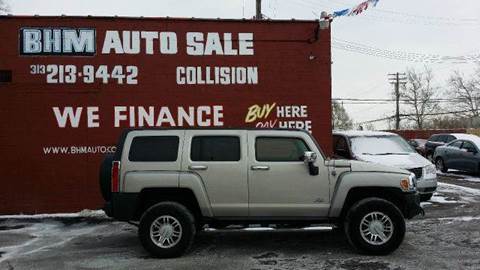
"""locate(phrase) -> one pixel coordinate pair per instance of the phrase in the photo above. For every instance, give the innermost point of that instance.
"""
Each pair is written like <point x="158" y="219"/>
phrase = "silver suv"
<point x="175" y="182"/>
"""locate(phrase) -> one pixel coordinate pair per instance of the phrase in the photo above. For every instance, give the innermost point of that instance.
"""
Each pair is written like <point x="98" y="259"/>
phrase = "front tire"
<point x="374" y="226"/>
<point x="440" y="164"/>
<point x="167" y="230"/>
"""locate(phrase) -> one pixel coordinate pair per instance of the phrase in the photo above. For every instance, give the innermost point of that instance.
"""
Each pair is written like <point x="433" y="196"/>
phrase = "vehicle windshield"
<point x="380" y="145"/>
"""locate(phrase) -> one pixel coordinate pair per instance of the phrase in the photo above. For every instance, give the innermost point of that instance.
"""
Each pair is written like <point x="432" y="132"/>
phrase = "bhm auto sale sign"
<point x="70" y="85"/>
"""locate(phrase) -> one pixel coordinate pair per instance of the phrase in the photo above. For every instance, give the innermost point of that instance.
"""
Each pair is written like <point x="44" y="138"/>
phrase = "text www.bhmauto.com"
<point x="78" y="150"/>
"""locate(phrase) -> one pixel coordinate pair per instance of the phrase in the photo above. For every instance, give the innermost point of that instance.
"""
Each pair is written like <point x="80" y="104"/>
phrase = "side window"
<point x="279" y="149"/>
<point x="441" y="138"/>
<point x="456" y="144"/>
<point x="215" y="148"/>
<point x="468" y="146"/>
<point x="341" y="147"/>
<point x="154" y="149"/>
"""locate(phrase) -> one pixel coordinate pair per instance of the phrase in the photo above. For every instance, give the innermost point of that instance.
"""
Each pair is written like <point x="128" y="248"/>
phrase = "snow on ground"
<point x="460" y="176"/>
<point x="454" y="194"/>
<point x="451" y="188"/>
<point x="44" y="236"/>
<point x="438" y="198"/>
<point x="466" y="218"/>
<point x="82" y="214"/>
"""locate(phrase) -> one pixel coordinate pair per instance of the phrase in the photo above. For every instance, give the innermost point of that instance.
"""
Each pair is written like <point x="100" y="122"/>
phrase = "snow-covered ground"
<point x="460" y="176"/>
<point x="82" y="214"/>
<point x="454" y="194"/>
<point x="447" y="237"/>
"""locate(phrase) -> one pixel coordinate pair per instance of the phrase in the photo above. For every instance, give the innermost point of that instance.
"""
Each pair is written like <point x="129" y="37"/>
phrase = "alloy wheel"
<point x="376" y="228"/>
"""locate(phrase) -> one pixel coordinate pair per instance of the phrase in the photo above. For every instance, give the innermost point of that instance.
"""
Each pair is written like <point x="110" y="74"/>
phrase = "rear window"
<point x="449" y="138"/>
<point x="434" y="138"/>
<point x="154" y="149"/>
<point x="280" y="149"/>
<point x="215" y="148"/>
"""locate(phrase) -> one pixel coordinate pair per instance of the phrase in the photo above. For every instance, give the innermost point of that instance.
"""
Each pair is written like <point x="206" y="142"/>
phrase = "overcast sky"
<point x="425" y="27"/>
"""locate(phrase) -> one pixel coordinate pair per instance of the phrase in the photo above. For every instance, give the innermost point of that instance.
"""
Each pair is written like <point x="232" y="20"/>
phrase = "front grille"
<point x="417" y="171"/>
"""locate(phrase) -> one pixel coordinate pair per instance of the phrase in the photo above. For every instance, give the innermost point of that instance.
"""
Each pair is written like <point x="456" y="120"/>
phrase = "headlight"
<point x="430" y="171"/>
<point x="408" y="183"/>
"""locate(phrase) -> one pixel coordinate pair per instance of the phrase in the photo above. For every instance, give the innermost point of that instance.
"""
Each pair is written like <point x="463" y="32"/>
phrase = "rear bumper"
<point x="412" y="205"/>
<point x="122" y="206"/>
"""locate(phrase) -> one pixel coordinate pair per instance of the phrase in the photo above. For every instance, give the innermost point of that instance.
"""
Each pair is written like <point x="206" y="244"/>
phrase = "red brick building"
<point x="69" y="85"/>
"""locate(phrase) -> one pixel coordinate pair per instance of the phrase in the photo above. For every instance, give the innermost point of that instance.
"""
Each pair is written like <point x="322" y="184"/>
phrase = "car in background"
<point x="461" y="154"/>
<point x="387" y="149"/>
<point x="418" y="145"/>
<point x="438" y="140"/>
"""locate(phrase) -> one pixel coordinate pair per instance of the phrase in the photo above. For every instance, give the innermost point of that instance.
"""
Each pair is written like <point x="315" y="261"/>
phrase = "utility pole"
<point x="397" y="79"/>
<point x="258" y="15"/>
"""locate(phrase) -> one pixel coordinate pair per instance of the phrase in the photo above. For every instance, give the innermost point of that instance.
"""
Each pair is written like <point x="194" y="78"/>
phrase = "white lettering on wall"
<point x="68" y="115"/>
<point x="57" y="41"/>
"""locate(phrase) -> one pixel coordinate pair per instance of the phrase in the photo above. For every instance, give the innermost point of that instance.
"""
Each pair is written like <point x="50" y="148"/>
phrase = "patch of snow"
<point x="319" y="228"/>
<point x="258" y="229"/>
<point x="422" y="204"/>
<point x="84" y="213"/>
<point x="460" y="176"/>
<point x="451" y="188"/>
<point x="465" y="218"/>
<point x="45" y="236"/>
<point x="472" y="179"/>
<point x="441" y="199"/>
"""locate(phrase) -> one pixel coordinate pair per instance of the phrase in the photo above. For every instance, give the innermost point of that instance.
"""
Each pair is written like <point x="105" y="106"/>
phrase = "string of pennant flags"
<point x="358" y="9"/>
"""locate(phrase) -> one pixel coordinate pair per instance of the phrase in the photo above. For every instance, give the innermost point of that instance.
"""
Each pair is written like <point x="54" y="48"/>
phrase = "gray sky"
<point x="429" y="27"/>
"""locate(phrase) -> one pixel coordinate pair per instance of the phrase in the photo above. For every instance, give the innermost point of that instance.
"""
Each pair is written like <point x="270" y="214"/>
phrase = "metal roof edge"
<point x="115" y="17"/>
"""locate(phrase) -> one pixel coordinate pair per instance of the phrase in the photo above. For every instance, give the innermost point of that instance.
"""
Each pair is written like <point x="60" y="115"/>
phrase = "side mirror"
<point x="309" y="158"/>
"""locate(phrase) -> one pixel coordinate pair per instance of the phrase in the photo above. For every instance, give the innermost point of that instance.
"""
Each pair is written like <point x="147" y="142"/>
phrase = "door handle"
<point x="260" y="168"/>
<point x="198" y="167"/>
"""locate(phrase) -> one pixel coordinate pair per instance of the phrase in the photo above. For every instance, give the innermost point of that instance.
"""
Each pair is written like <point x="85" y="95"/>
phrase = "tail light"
<point x="115" y="176"/>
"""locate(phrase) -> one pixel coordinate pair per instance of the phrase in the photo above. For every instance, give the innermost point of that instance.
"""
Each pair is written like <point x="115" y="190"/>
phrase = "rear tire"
<point x="440" y="165"/>
<point x="167" y="230"/>
<point x="374" y="226"/>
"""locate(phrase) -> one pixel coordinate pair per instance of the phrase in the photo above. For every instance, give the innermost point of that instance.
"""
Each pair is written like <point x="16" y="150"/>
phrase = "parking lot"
<point x="448" y="237"/>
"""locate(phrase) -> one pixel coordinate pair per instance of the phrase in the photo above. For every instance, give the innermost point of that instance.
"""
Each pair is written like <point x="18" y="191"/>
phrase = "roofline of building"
<point x="10" y="16"/>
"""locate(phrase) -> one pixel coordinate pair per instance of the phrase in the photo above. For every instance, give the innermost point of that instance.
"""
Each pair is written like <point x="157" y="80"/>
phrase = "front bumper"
<point x="412" y="205"/>
<point x="427" y="186"/>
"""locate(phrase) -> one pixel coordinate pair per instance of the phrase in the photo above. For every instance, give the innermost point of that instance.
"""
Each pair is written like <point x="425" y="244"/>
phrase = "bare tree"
<point x="419" y="96"/>
<point x="340" y="118"/>
<point x="3" y="7"/>
<point x="466" y="93"/>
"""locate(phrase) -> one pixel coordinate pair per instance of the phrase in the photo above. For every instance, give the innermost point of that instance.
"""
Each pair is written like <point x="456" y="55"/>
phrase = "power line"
<point x="389" y="100"/>
<point x="402" y="55"/>
<point x="407" y="115"/>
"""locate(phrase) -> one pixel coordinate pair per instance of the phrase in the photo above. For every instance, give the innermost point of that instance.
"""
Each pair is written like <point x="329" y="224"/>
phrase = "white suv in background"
<point x="388" y="149"/>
